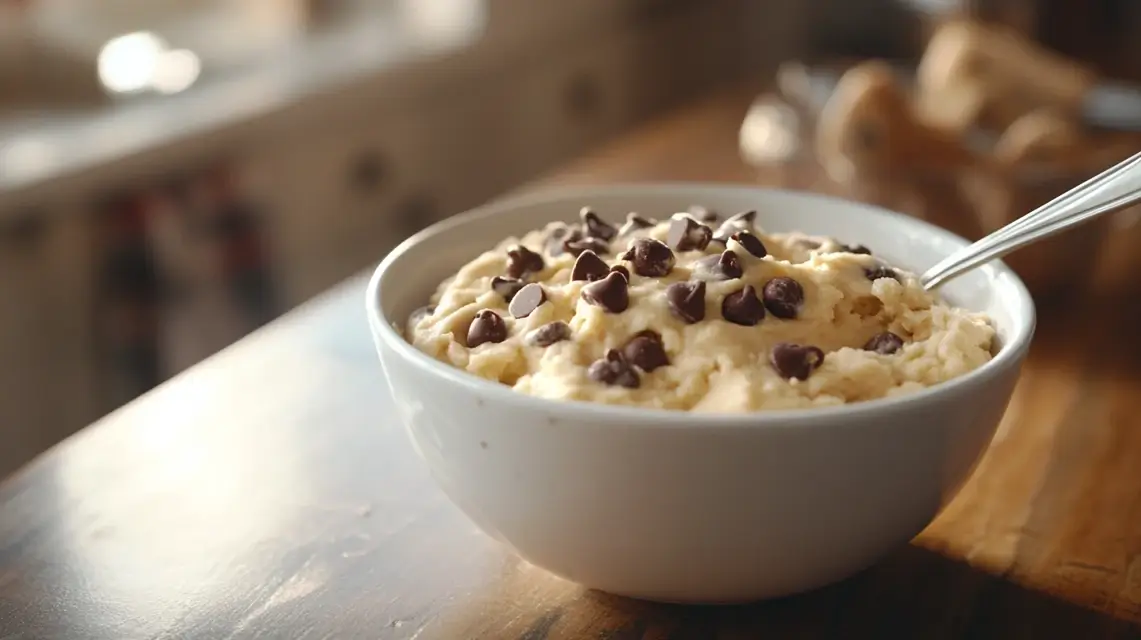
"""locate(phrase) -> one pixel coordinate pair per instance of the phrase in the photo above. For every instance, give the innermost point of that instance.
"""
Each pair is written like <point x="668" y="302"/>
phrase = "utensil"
<point x="779" y="122"/>
<point x="1111" y="190"/>
<point x="771" y="132"/>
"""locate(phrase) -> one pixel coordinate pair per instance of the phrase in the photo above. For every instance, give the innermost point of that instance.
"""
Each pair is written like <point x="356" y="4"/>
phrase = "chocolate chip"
<point x="610" y="293"/>
<point x="687" y="300"/>
<point x="730" y="265"/>
<point x="527" y="300"/>
<point x="588" y="266"/>
<point x="558" y="236"/>
<point x="858" y="249"/>
<point x="596" y="227"/>
<point x="881" y="272"/>
<point x="633" y="223"/>
<point x="423" y="312"/>
<point x="522" y="262"/>
<point x="795" y="361"/>
<point x="619" y="269"/>
<point x="549" y="334"/>
<point x="725" y="266"/>
<point x="739" y="222"/>
<point x="613" y="370"/>
<point x="783" y="297"/>
<point x="702" y="214"/>
<point x="486" y="327"/>
<point x="651" y="258"/>
<point x="750" y="243"/>
<point x="645" y="351"/>
<point x="885" y="343"/>
<point x="576" y="246"/>
<point x="743" y="307"/>
<point x="687" y="234"/>
<point x="506" y="287"/>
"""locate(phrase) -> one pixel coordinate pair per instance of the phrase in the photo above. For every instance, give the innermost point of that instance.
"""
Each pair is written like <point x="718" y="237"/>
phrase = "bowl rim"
<point x="1010" y="354"/>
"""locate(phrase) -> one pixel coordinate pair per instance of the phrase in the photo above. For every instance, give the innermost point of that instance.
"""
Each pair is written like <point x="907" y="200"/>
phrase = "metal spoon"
<point x="1111" y="190"/>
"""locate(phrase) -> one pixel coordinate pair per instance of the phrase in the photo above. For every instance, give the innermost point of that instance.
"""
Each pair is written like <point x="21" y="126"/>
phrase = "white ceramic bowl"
<point x="681" y="507"/>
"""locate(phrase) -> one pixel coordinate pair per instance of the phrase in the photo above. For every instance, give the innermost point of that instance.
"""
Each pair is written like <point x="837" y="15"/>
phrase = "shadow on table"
<point x="915" y="593"/>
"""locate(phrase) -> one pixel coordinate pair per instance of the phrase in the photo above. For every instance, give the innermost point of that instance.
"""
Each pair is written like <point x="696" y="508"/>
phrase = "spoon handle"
<point x="1111" y="190"/>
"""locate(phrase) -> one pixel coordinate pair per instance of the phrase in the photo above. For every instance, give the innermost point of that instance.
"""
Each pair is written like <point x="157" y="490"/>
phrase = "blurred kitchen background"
<point x="176" y="173"/>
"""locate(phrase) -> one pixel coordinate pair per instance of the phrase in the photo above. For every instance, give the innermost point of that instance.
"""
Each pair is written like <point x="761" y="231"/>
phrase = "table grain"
<point x="270" y="493"/>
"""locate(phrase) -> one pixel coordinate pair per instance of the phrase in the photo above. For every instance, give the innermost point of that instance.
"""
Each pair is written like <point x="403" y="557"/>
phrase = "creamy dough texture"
<point x="877" y="332"/>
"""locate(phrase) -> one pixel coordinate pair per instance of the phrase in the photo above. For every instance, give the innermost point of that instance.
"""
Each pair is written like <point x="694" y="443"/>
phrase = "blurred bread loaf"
<point x="869" y="127"/>
<point x="978" y="75"/>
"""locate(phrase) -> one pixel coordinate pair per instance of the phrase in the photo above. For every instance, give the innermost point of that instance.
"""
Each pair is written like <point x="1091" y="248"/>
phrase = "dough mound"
<point x="809" y="322"/>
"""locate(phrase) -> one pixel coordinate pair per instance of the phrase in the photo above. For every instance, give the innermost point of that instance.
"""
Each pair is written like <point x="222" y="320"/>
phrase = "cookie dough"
<point x="695" y="314"/>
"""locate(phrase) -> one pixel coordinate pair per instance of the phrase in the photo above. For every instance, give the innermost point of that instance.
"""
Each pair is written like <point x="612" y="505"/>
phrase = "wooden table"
<point x="270" y="493"/>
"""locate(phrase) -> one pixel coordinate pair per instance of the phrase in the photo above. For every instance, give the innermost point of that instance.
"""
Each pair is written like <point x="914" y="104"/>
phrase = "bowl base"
<point x="698" y="600"/>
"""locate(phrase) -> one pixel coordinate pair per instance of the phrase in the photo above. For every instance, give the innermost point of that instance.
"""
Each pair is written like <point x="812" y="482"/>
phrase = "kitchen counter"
<point x="401" y="53"/>
<point x="45" y="146"/>
<point x="270" y="492"/>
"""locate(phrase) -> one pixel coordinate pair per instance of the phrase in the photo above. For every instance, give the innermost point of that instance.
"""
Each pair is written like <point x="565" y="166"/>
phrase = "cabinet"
<point x="48" y="374"/>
